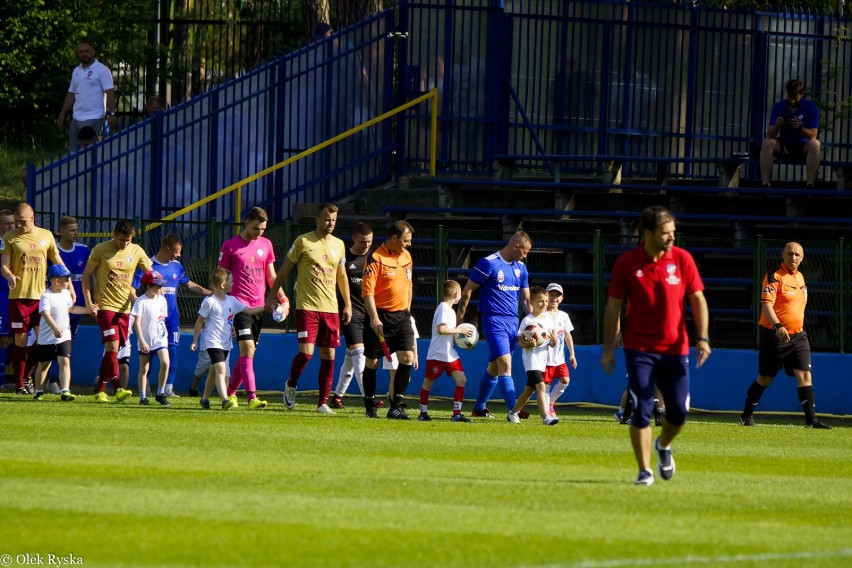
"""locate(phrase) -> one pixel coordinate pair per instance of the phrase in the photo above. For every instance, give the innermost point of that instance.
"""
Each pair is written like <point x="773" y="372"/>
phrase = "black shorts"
<point x="217" y="355"/>
<point x="773" y="354"/>
<point x="398" y="333"/>
<point x="247" y="326"/>
<point x="353" y="332"/>
<point x="50" y="352"/>
<point x="533" y="378"/>
<point x="790" y="151"/>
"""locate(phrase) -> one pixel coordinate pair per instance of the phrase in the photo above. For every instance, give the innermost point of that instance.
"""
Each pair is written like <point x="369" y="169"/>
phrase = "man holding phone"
<point x="792" y="134"/>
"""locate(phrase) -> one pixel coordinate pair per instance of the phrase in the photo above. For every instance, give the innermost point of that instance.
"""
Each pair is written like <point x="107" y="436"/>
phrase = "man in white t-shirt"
<point x="90" y="97"/>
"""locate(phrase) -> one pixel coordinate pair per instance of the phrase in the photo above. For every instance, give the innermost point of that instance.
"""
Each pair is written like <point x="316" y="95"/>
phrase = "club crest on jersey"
<point x="41" y="242"/>
<point x="500" y="276"/>
<point x="517" y="273"/>
<point x="408" y="274"/>
<point x="672" y="277"/>
<point x="129" y="259"/>
<point x="639" y="273"/>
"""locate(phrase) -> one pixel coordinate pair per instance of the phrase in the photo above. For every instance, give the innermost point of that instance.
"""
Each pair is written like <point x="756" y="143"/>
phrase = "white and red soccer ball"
<point x="534" y="333"/>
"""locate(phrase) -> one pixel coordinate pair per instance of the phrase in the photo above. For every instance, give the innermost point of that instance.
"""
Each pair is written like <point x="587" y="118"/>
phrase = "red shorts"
<point x="435" y="369"/>
<point x="114" y="326"/>
<point x="320" y="328"/>
<point x="555" y="372"/>
<point x="23" y="315"/>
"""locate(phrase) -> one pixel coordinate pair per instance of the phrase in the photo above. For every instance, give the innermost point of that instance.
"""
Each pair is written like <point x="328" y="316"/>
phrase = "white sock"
<point x="424" y="408"/>
<point x="358" y="363"/>
<point x="345" y="376"/>
<point x="160" y="391"/>
<point x="556" y="390"/>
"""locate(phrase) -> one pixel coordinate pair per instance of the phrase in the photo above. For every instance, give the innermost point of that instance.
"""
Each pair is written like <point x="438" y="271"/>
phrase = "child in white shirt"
<point x="216" y="317"/>
<point x="556" y="375"/>
<point x="54" y="334"/>
<point x="149" y="312"/>
<point x="535" y="358"/>
<point x="442" y="356"/>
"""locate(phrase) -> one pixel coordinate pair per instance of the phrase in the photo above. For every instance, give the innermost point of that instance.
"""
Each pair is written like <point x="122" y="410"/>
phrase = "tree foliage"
<point x="38" y="40"/>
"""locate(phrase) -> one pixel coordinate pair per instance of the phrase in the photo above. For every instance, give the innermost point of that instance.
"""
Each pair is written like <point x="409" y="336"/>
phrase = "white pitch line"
<point x="618" y="562"/>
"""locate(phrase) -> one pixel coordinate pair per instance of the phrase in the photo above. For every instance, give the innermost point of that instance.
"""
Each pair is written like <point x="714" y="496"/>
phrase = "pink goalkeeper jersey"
<point x="247" y="261"/>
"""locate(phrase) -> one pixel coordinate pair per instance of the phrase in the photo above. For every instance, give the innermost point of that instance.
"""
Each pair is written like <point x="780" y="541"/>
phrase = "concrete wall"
<point x="719" y="385"/>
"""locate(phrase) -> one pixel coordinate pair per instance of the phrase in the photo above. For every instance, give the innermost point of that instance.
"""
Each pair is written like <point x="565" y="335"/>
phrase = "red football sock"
<point x="300" y="361"/>
<point x="19" y="364"/>
<point x="458" y="398"/>
<point x="326" y="378"/>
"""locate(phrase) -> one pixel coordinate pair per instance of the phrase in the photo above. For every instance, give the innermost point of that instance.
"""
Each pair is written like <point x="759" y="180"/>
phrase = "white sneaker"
<point x="290" y="396"/>
<point x="513" y="418"/>
<point x="53" y="388"/>
<point x="170" y="392"/>
<point x="324" y="409"/>
<point x="550" y="420"/>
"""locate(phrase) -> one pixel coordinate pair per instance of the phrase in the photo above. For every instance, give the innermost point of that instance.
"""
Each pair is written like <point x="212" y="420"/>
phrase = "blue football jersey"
<point x="75" y="261"/>
<point x="500" y="285"/>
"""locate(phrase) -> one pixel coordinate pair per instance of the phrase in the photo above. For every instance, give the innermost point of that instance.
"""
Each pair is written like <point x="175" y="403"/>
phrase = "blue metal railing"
<point x="616" y="77"/>
<point x="524" y="80"/>
<point x="248" y="124"/>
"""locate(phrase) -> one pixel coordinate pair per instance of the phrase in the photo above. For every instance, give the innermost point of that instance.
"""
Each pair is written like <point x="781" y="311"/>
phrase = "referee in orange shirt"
<point x="387" y="292"/>
<point x="783" y="341"/>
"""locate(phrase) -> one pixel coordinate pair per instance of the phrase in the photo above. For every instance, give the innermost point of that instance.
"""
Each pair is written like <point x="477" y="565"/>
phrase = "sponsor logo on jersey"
<point x="672" y="277"/>
<point x="500" y="276"/>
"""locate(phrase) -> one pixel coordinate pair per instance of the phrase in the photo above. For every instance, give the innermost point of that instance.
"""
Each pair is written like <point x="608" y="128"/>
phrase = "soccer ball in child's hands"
<point x="534" y="333"/>
<point x="466" y="341"/>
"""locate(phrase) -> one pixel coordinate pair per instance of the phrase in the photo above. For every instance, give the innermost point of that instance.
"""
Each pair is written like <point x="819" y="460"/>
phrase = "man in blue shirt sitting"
<point x="792" y="134"/>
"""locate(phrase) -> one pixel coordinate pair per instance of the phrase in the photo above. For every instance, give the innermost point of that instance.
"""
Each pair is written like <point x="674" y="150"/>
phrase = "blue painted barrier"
<point x="718" y="385"/>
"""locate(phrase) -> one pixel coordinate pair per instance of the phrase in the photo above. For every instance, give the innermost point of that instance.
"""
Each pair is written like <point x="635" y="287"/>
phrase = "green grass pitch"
<point x="123" y="485"/>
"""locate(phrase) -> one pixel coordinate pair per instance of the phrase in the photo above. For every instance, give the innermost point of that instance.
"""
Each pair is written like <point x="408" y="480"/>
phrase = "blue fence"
<point x="542" y="78"/>
<point x="280" y="109"/>
<point x="524" y="80"/>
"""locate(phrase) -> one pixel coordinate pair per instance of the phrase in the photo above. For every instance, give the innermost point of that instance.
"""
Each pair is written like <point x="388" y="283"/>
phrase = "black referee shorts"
<point x="773" y="355"/>
<point x="397" y="330"/>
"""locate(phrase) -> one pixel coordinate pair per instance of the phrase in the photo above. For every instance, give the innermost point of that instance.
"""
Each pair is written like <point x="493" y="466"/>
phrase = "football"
<point x="464" y="341"/>
<point x="534" y="332"/>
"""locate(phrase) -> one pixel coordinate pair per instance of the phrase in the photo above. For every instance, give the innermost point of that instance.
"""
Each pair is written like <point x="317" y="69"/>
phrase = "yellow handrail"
<point x="238" y="186"/>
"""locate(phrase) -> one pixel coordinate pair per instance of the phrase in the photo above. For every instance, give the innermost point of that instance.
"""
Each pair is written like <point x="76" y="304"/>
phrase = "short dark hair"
<point x="795" y="87"/>
<point x="398" y="228"/>
<point x="652" y="217"/>
<point x="64" y="221"/>
<point x="331" y="207"/>
<point x="124" y="227"/>
<point x="537" y="291"/>
<point x="257" y="214"/>
<point x="170" y="241"/>
<point x="362" y="228"/>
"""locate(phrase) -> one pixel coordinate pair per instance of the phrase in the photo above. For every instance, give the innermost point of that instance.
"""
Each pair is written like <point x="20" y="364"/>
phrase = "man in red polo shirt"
<point x="653" y="279"/>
